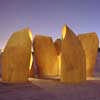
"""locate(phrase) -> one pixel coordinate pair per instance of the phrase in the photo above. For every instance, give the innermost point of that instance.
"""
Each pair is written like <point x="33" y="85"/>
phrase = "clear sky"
<point x="48" y="16"/>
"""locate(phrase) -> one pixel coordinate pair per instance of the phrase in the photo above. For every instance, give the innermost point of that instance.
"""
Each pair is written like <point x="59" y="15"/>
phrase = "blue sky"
<point x="48" y="16"/>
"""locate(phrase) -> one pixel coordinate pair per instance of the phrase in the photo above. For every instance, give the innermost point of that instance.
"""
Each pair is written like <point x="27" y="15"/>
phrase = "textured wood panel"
<point x="45" y="56"/>
<point x="73" y="58"/>
<point x="90" y="43"/>
<point x="16" y="57"/>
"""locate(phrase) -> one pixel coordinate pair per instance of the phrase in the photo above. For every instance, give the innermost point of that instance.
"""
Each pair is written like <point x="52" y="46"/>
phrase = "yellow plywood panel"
<point x="45" y="56"/>
<point x="90" y="43"/>
<point x="16" y="58"/>
<point x="73" y="61"/>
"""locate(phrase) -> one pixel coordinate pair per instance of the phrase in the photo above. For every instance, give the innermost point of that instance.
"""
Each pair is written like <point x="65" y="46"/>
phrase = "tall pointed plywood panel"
<point x="73" y="58"/>
<point x="45" y="56"/>
<point x="16" y="58"/>
<point x="90" y="43"/>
